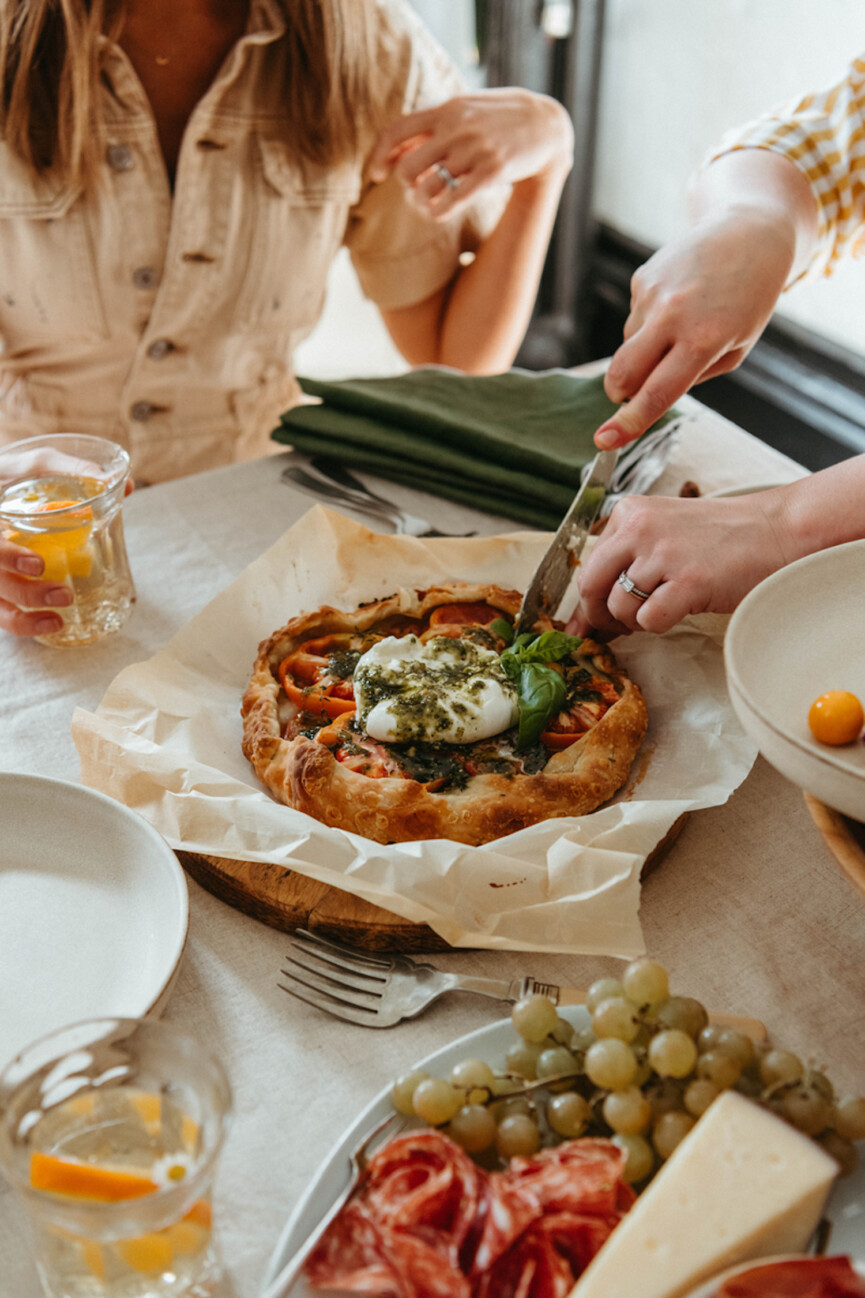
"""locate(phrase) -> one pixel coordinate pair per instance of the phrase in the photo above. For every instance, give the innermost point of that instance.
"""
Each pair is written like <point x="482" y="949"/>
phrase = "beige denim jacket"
<point x="167" y="322"/>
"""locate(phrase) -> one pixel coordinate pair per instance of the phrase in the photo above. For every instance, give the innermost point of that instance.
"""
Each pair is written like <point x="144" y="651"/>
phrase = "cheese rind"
<point x="743" y="1184"/>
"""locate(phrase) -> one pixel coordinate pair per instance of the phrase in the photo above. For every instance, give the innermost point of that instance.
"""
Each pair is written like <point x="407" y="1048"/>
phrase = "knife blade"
<point x="553" y="574"/>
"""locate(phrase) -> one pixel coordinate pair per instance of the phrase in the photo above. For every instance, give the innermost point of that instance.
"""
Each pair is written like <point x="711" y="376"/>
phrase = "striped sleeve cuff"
<point x="824" y="135"/>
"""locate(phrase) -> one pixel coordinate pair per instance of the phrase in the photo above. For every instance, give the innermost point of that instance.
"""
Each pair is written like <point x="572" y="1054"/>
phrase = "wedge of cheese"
<point x="741" y="1185"/>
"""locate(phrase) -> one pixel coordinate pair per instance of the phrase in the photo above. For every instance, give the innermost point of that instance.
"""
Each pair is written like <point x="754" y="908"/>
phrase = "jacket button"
<point x="141" y="411"/>
<point x="144" y="277"/>
<point x="159" y="348"/>
<point x="119" y="157"/>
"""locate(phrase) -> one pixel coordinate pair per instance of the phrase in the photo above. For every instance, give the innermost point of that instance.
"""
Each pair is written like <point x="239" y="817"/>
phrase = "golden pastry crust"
<point x="305" y="775"/>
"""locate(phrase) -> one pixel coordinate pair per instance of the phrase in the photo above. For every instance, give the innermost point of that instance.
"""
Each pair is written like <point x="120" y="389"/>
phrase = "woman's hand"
<point x="699" y="305"/>
<point x="25" y="601"/>
<point x="490" y="137"/>
<point x="697" y="308"/>
<point x="688" y="556"/>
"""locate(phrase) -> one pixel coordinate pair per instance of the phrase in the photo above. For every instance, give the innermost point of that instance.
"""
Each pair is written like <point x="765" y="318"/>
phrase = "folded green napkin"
<point x="510" y="444"/>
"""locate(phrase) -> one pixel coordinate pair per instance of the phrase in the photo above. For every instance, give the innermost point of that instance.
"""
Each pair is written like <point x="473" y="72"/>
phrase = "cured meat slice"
<point x="426" y="1222"/>
<point x="547" y="1259"/>
<point x="807" y="1277"/>
<point x="408" y="1226"/>
<point x="580" y="1177"/>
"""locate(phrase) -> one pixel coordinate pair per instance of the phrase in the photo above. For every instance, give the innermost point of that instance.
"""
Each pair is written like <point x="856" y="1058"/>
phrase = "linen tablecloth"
<point x="748" y="911"/>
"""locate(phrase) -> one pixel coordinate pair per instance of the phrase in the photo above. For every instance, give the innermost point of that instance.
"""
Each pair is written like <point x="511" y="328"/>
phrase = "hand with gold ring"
<point x="660" y="558"/>
<point x="447" y="154"/>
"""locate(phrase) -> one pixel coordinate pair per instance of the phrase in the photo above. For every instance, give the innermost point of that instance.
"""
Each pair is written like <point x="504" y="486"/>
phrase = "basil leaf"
<point x="551" y="646"/>
<point x="501" y="628"/>
<point x="541" y="692"/>
<point x="510" y="666"/>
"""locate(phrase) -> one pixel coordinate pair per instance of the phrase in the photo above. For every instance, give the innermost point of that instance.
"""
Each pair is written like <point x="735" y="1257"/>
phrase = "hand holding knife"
<point x="553" y="574"/>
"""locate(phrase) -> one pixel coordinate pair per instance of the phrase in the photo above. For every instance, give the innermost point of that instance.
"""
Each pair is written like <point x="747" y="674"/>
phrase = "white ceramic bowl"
<point x="798" y="634"/>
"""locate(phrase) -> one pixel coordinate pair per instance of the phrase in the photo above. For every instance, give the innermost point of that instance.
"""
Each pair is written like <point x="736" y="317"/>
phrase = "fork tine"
<point x="327" y="963"/>
<point x="342" y="992"/>
<point x="300" y="937"/>
<point x="332" y="1007"/>
<point x="327" y="980"/>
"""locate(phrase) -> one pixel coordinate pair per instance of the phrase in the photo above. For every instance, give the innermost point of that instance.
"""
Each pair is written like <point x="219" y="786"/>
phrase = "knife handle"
<point x="752" y="1028"/>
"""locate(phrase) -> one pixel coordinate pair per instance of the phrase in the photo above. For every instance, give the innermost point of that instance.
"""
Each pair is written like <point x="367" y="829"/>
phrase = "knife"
<point x="553" y="573"/>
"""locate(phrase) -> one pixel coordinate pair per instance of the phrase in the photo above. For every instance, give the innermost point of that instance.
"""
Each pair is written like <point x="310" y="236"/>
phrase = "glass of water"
<point x="110" y="1132"/>
<point x="61" y="496"/>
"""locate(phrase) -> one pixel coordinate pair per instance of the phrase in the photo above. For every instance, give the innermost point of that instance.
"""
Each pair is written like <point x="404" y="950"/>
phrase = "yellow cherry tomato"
<point x="836" y="717"/>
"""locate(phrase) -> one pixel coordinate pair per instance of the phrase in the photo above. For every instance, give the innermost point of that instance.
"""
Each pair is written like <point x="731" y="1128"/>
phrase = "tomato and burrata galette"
<point x="422" y="716"/>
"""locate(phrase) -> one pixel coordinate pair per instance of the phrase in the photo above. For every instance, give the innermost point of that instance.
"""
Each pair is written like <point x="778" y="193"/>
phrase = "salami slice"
<point x="807" y="1277"/>
<point x="427" y="1222"/>
<point x="580" y="1177"/>
<point x="406" y="1229"/>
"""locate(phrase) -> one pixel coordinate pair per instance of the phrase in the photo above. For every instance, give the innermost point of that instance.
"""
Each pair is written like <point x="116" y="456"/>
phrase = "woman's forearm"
<point x="758" y="183"/>
<point x="826" y="509"/>
<point x="488" y="306"/>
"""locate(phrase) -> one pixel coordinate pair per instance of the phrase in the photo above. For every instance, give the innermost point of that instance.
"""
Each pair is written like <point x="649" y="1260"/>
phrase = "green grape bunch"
<point x="642" y="1074"/>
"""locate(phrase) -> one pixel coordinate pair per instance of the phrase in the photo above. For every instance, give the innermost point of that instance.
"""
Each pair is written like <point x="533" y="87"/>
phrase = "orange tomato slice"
<point x="332" y="734"/>
<point x="316" y="700"/>
<point x="304" y="666"/>
<point x="560" y="739"/>
<point x="84" y="1181"/>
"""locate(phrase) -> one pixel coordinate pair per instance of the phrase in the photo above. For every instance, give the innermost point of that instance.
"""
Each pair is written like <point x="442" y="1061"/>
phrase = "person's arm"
<point x="704" y="555"/>
<point x="477" y="322"/>
<point x="781" y="197"/>
<point x="701" y="302"/>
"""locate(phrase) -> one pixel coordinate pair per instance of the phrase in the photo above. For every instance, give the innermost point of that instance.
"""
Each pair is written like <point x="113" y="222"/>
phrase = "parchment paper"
<point x="165" y="741"/>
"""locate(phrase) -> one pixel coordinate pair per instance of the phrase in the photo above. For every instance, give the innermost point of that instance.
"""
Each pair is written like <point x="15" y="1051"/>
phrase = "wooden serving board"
<point x="286" y="900"/>
<point x="844" y="837"/>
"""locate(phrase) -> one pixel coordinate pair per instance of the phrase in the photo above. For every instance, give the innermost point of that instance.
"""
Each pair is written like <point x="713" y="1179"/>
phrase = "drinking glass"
<point x="110" y="1131"/>
<point x="61" y="496"/>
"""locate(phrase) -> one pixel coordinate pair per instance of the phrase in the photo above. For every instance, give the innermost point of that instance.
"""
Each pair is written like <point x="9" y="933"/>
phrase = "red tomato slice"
<point x="560" y="739"/>
<point x="464" y="614"/>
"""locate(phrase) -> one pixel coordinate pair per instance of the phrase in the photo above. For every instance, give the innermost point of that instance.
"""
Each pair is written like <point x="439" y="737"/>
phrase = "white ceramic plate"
<point x="93" y="910"/>
<point x="846" y="1207"/>
<point x="794" y="637"/>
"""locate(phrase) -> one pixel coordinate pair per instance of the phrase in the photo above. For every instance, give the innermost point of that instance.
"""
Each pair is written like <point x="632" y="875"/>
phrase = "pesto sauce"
<point x="411" y="691"/>
<point x="426" y="762"/>
<point x="342" y="665"/>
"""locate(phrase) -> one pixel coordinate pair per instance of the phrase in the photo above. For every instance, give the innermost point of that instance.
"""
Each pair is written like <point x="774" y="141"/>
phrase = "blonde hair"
<point x="49" y="80"/>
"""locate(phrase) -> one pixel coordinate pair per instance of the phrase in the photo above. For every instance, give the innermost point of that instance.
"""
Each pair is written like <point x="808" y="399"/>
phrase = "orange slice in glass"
<point x="66" y="553"/>
<point x="84" y="1181"/>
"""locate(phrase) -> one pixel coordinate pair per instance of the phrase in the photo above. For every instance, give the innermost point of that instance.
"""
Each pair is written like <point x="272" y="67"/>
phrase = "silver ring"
<point x="447" y="176"/>
<point x="628" y="585"/>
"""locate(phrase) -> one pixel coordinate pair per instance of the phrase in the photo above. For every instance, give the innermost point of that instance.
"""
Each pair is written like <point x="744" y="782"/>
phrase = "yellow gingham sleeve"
<point x="824" y="135"/>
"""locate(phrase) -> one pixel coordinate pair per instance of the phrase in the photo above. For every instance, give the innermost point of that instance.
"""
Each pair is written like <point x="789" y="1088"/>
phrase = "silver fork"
<point x="315" y="481"/>
<point x="358" y="1159"/>
<point x="379" y="991"/>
